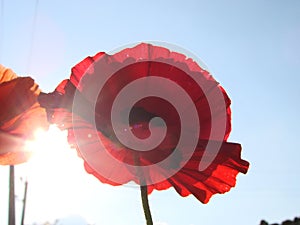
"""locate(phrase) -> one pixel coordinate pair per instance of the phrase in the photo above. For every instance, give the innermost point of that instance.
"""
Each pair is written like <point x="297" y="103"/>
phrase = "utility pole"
<point x="24" y="202"/>
<point x="11" y="203"/>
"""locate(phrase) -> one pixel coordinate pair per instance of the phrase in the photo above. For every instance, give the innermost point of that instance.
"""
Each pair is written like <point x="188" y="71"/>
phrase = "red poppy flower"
<point x="111" y="105"/>
<point x="20" y="115"/>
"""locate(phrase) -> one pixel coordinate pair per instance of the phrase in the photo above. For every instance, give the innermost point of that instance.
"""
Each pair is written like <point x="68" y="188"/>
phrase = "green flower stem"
<point x="147" y="212"/>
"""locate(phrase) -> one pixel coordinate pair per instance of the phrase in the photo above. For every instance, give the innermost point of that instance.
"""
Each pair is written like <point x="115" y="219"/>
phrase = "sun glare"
<point x="48" y="146"/>
<point x="50" y="154"/>
<point x="52" y="172"/>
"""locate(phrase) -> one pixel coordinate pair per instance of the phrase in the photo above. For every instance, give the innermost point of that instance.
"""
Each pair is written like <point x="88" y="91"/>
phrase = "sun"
<point x="48" y="146"/>
<point x="53" y="172"/>
<point x="51" y="154"/>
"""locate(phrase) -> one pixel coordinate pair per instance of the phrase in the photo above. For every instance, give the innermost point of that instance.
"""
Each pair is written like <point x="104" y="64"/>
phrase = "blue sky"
<point x="251" y="47"/>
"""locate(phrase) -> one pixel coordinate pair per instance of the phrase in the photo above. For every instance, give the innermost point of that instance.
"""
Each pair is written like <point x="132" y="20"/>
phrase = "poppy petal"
<point x="20" y="116"/>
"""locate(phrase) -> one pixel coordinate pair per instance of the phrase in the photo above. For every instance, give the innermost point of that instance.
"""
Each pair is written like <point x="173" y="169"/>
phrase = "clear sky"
<point x="251" y="47"/>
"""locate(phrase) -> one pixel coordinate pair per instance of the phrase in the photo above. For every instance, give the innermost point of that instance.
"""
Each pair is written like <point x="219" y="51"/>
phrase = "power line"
<point x="33" y="31"/>
<point x="1" y="28"/>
